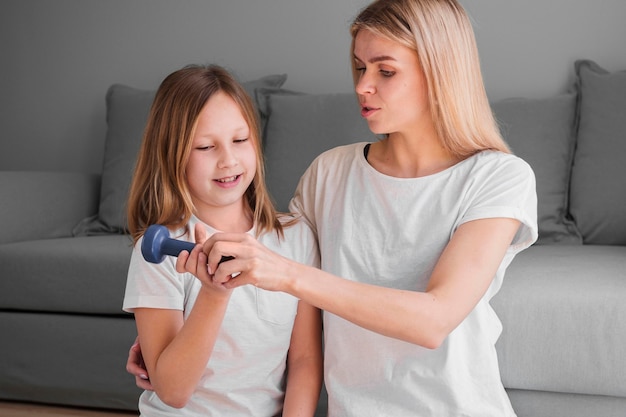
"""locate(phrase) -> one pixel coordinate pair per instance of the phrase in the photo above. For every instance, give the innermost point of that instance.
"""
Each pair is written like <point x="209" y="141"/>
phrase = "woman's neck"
<point x="402" y="157"/>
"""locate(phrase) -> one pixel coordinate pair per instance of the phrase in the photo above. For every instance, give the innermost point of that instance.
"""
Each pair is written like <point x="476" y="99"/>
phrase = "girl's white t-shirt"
<point x="246" y="372"/>
<point x="390" y="232"/>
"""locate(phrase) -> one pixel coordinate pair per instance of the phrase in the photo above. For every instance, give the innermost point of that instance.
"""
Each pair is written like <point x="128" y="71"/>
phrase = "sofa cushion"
<point x="68" y="359"/>
<point x="562" y="308"/>
<point x="541" y="131"/>
<point x="598" y="191"/>
<point x="66" y="275"/>
<point x="127" y="113"/>
<point x="299" y="128"/>
<point x="45" y="204"/>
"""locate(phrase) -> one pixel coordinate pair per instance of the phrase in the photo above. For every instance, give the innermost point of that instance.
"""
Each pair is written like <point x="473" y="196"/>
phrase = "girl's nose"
<point x="228" y="158"/>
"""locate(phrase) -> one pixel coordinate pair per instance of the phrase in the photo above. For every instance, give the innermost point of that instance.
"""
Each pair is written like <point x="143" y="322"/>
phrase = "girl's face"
<point x="391" y="86"/>
<point x="222" y="163"/>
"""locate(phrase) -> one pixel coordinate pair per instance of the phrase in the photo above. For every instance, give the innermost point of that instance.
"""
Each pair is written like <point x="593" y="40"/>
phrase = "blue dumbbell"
<point x="157" y="244"/>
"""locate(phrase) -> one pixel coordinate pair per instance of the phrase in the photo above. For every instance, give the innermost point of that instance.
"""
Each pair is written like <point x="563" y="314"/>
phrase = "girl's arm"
<point x="459" y="280"/>
<point x="175" y="350"/>
<point x="136" y="367"/>
<point x="304" y="363"/>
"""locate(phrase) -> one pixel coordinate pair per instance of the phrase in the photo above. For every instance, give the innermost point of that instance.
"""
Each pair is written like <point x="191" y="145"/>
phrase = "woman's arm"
<point x="304" y="363"/>
<point x="460" y="278"/>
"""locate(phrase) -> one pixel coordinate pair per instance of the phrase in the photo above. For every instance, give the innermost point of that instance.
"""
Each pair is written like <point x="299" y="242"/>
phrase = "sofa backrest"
<point x="575" y="142"/>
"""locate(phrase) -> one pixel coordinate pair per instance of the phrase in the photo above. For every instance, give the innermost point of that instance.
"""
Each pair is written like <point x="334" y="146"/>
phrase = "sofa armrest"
<point x="42" y="205"/>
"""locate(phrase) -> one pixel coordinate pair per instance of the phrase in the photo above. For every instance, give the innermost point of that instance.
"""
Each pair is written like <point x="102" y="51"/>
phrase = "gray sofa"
<point x="63" y="254"/>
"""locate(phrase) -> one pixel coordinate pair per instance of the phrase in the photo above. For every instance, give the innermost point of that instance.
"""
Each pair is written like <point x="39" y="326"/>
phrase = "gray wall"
<point x="59" y="57"/>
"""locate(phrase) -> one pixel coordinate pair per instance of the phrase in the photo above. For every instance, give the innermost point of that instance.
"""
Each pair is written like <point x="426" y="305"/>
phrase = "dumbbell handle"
<point x="157" y="244"/>
<point x="174" y="247"/>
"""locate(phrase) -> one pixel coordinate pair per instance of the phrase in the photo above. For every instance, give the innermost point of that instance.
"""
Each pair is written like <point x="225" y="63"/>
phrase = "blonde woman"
<point x="415" y="231"/>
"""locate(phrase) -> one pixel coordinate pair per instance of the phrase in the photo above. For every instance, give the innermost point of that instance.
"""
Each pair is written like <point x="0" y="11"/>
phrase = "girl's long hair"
<point x="159" y="193"/>
<point x="441" y="34"/>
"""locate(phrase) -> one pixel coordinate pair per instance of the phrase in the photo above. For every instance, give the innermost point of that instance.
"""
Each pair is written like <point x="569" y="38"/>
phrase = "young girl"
<point x="415" y="231"/>
<point x="212" y="350"/>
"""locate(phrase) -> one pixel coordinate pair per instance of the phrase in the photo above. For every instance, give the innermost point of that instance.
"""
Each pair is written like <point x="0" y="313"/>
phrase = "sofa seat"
<point x="70" y="359"/>
<point x="563" y="311"/>
<point x="77" y="275"/>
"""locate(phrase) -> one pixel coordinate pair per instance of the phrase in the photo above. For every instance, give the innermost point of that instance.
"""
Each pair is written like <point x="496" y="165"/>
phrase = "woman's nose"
<point x="365" y="84"/>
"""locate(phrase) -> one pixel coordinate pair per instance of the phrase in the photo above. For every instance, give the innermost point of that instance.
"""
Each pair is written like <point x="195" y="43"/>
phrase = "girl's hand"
<point x="196" y="263"/>
<point x="253" y="263"/>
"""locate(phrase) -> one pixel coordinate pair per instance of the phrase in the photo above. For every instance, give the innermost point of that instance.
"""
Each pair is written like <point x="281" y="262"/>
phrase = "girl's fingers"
<point x="181" y="262"/>
<point x="200" y="234"/>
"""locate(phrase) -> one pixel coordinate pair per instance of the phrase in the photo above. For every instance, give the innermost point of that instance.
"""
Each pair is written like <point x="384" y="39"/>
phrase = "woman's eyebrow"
<point x="376" y="59"/>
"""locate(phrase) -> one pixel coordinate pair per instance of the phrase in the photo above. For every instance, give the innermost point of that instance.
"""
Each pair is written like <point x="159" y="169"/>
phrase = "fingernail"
<point x="143" y="376"/>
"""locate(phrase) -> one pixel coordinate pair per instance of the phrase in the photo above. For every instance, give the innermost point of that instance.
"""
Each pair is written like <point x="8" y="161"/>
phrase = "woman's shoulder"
<point x="335" y="160"/>
<point x="341" y="152"/>
<point x="499" y="161"/>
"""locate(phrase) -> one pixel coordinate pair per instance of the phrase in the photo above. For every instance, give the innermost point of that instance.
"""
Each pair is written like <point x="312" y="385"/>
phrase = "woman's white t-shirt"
<point x="245" y="374"/>
<point x="390" y="232"/>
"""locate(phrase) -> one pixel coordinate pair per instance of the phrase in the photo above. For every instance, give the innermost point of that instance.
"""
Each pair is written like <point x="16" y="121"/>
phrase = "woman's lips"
<point x="367" y="111"/>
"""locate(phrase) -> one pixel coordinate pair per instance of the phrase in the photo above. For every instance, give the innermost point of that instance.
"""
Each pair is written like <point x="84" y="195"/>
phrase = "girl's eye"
<point x="359" y="69"/>
<point x="386" y="73"/>
<point x="240" y="140"/>
<point x="204" y="148"/>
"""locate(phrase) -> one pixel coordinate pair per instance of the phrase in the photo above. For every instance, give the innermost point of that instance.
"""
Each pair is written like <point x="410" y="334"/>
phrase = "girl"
<point x="212" y="350"/>
<point x="415" y="231"/>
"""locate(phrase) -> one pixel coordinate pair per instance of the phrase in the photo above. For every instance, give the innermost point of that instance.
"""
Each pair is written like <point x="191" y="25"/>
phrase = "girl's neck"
<point x="230" y="219"/>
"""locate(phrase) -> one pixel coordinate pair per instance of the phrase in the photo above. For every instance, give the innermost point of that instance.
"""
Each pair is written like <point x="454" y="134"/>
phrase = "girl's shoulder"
<point x="298" y="242"/>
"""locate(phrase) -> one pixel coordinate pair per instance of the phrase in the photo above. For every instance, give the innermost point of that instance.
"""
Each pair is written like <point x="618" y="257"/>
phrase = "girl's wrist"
<point x="217" y="294"/>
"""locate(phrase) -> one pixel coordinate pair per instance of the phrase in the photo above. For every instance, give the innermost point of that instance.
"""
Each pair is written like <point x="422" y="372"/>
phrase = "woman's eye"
<point x="204" y="148"/>
<point x="241" y="140"/>
<point x="386" y="73"/>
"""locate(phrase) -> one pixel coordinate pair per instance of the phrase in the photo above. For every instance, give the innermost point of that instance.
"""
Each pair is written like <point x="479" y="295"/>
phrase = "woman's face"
<point x="391" y="86"/>
<point x="222" y="162"/>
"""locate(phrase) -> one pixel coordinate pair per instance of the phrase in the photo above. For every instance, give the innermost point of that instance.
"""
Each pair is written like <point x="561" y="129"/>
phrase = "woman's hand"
<point x="253" y="263"/>
<point x="136" y="367"/>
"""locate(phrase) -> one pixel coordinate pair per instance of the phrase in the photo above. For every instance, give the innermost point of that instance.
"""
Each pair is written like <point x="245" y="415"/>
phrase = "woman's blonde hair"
<point x="441" y="34"/>
<point x="159" y="193"/>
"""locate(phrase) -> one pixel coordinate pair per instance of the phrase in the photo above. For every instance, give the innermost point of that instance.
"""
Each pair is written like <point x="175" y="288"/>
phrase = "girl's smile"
<point x="228" y="181"/>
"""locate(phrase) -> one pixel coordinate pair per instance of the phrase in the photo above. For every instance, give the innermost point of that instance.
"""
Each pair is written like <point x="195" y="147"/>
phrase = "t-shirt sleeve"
<point x="153" y="285"/>
<point x="310" y="247"/>
<point x="303" y="201"/>
<point x="506" y="188"/>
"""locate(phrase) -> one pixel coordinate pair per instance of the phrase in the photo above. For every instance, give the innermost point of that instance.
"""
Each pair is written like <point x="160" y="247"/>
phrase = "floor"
<point x="11" y="409"/>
